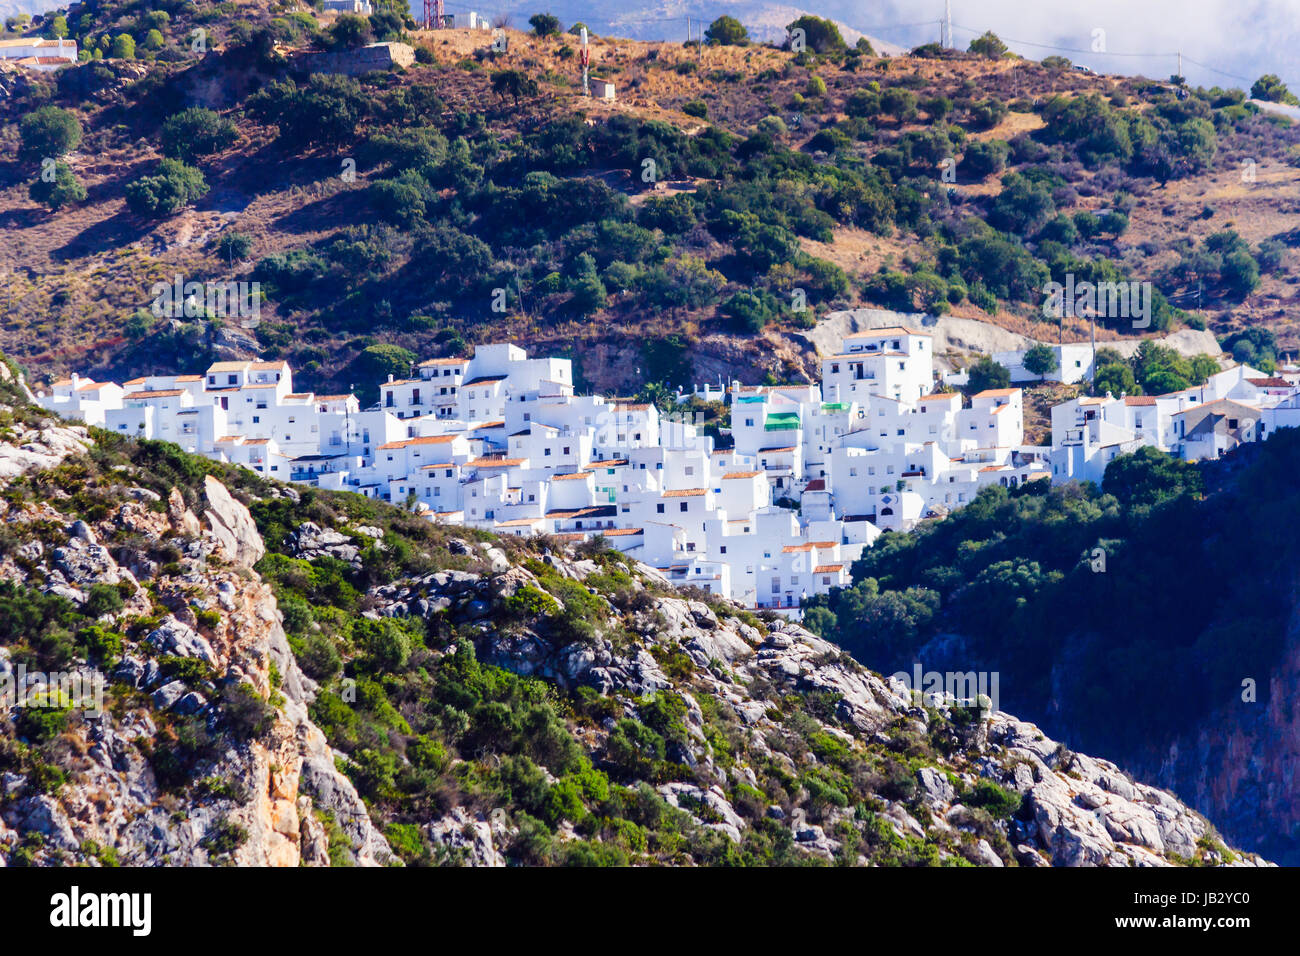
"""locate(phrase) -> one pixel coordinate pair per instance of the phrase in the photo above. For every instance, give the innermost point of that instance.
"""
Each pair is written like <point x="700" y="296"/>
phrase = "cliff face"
<point x="1241" y="765"/>
<point x="209" y="608"/>
<point x="206" y="751"/>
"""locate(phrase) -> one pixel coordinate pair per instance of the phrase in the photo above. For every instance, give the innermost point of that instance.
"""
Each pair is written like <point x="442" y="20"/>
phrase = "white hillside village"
<point x="815" y="473"/>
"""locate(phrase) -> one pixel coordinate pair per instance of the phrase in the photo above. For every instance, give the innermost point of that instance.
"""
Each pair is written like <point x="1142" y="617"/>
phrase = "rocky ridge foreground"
<point x="281" y="788"/>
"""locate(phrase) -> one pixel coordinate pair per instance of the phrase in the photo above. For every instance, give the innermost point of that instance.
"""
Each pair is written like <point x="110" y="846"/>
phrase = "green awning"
<point x="781" y="421"/>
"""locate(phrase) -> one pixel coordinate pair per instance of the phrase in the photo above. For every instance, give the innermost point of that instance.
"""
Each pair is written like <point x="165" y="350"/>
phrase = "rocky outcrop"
<point x="39" y="448"/>
<point x="254" y="801"/>
<point x="1074" y="810"/>
<point x="232" y="525"/>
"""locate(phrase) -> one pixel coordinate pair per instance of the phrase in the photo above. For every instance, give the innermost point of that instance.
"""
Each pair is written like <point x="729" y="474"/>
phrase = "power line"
<point x="1120" y="53"/>
<point x="1062" y="49"/>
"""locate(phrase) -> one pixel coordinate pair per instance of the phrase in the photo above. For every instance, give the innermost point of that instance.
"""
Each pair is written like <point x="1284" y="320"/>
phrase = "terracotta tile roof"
<point x="607" y="463"/>
<point x="485" y="380"/>
<point x="941" y="396"/>
<point x="424" y="440"/>
<point x="817" y="484"/>
<point x="621" y="532"/>
<point x="591" y="511"/>
<point x="792" y="548"/>
<point x="496" y="462"/>
<point x="827" y="568"/>
<point x="518" y="522"/>
<point x="159" y="393"/>
<point x="228" y="366"/>
<point x="442" y="361"/>
<point x="740" y="474"/>
<point x="1273" y="382"/>
<point x="571" y="477"/>
<point x="995" y="393"/>
<point x="1139" y="400"/>
<point x="762" y="451"/>
<point x="685" y="493"/>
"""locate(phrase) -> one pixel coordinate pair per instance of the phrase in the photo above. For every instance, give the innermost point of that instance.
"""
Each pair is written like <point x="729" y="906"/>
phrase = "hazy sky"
<point x="1241" y="38"/>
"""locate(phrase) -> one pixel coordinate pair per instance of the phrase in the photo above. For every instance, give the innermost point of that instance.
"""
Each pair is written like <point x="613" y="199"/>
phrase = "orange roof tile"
<point x="791" y="548"/>
<point x="424" y="440"/>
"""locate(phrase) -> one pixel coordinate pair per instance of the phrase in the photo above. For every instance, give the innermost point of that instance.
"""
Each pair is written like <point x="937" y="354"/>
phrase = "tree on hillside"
<point x="544" y="24"/>
<point x="1114" y="377"/>
<point x="123" y="47"/>
<point x="196" y="132"/>
<point x="989" y="45"/>
<point x="984" y="157"/>
<point x="1271" y="88"/>
<point x="387" y="24"/>
<point x="822" y="36"/>
<point x="59" y="189"/>
<point x="326" y="110"/>
<point x="48" y="133"/>
<point x="986" y="374"/>
<point x="350" y="31"/>
<point x="168" y="191"/>
<point x="727" y="31"/>
<point x="1039" y="360"/>
<point x="377" y="362"/>
<point x="514" y="84"/>
<point x="1149" y="476"/>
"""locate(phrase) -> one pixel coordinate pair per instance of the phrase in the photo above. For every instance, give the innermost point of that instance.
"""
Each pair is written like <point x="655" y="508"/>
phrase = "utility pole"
<point x="947" y="20"/>
<point x="586" y="63"/>
<point x="1093" y="317"/>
